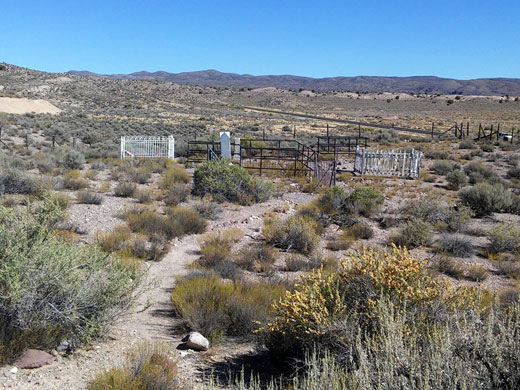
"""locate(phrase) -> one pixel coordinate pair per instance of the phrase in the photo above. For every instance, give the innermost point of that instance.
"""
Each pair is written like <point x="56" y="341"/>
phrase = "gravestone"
<point x="225" y="144"/>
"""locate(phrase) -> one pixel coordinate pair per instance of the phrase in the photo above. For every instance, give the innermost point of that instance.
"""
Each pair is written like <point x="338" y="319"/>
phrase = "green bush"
<point x="226" y="181"/>
<point x="456" y="179"/>
<point x="51" y="289"/>
<point x="207" y="208"/>
<point x="442" y="167"/>
<point x="478" y="173"/>
<point x="71" y="159"/>
<point x="216" y="308"/>
<point x="361" y="231"/>
<point x="174" y="175"/>
<point x="338" y="204"/>
<point x="487" y="147"/>
<point x="296" y="233"/>
<point x="504" y="238"/>
<point x="485" y="199"/>
<point x="413" y="234"/>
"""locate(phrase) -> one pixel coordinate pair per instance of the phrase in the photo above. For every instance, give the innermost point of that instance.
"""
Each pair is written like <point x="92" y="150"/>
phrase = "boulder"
<point x="34" y="358"/>
<point x="197" y="341"/>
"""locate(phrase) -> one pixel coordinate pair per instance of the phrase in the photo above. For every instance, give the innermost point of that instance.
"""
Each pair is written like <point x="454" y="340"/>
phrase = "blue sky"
<point x="457" y="38"/>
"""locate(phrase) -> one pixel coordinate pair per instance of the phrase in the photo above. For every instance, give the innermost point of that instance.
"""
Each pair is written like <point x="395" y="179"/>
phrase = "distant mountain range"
<point x="415" y="84"/>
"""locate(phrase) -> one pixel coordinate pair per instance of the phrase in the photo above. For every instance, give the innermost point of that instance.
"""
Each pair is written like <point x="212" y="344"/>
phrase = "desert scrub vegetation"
<point x="51" y="289"/>
<point x="504" y="238"/>
<point x="456" y="179"/>
<point x="13" y="181"/>
<point x="175" y="174"/>
<point x="298" y="233"/>
<point x="338" y="206"/>
<point x="456" y="245"/>
<point x="413" y="233"/>
<point x="177" y="222"/>
<point x="228" y="182"/>
<point x="328" y="309"/>
<point x="89" y="197"/>
<point x="485" y="198"/>
<point x="147" y="368"/>
<point x="215" y="248"/>
<point x="216" y="308"/>
<point x="442" y="167"/>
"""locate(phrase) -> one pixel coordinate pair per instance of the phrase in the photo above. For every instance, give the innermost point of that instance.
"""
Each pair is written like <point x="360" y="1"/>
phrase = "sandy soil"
<point x="24" y="105"/>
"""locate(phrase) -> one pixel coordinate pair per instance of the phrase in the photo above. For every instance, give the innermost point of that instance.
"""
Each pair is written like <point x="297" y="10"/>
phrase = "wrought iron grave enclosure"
<point x="148" y="147"/>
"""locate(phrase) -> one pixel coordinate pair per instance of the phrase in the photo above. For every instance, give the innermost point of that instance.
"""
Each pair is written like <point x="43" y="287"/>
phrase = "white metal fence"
<point x="143" y="146"/>
<point x="388" y="163"/>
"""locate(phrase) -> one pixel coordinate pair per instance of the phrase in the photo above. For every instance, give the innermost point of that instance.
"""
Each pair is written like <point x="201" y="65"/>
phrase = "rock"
<point x="34" y="358"/>
<point x="197" y="342"/>
<point x="13" y="370"/>
<point x="64" y="346"/>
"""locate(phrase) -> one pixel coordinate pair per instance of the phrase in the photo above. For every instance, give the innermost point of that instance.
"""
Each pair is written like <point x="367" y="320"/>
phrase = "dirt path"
<point x="153" y="317"/>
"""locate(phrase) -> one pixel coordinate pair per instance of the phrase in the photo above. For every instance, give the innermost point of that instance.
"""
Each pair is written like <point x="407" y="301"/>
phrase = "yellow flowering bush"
<point x="322" y="305"/>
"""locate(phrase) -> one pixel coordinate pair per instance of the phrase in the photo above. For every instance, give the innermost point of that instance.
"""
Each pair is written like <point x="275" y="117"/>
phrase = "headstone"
<point x="225" y="144"/>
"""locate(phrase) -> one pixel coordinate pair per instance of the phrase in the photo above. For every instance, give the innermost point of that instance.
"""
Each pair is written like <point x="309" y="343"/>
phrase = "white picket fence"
<point x="144" y="146"/>
<point x="388" y="163"/>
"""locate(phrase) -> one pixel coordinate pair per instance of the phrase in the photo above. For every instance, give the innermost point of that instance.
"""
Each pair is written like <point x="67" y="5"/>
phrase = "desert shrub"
<point x="216" y="247"/>
<point x="295" y="262"/>
<point x="296" y="233"/>
<point x="257" y="258"/>
<point x="509" y="267"/>
<point x="466" y="144"/>
<point x="140" y="175"/>
<point x="458" y="218"/>
<point x="147" y="368"/>
<point x="71" y="159"/>
<point x="142" y="196"/>
<point x="216" y="308"/>
<point x="88" y="197"/>
<point x="176" y="194"/>
<point x="360" y="231"/>
<point x="13" y="181"/>
<point x="98" y="165"/>
<point x="450" y="267"/>
<point x="432" y="211"/>
<point x="478" y="173"/>
<point x="456" y="179"/>
<point x="339" y="204"/>
<point x="513" y="173"/>
<point x="437" y="154"/>
<point x="485" y="198"/>
<point x="413" y="234"/>
<point x="186" y="221"/>
<point x="504" y="238"/>
<point x="207" y="208"/>
<point x="113" y="241"/>
<point x="442" y="167"/>
<point x="174" y="175"/>
<point x="456" y="245"/>
<point x="366" y="200"/>
<point x="125" y="189"/>
<point x="487" y="147"/>
<point x="341" y="243"/>
<point x="74" y="184"/>
<point x="325" y="308"/>
<point x="226" y="181"/>
<point x="476" y="273"/>
<point x="53" y="290"/>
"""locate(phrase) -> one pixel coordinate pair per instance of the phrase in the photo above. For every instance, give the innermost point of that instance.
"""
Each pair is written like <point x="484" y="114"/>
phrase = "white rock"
<point x="13" y="370"/>
<point x="197" y="342"/>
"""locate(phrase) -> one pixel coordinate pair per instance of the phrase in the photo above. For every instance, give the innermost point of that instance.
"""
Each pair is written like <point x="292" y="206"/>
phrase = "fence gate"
<point x="143" y="146"/>
<point x="388" y="163"/>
